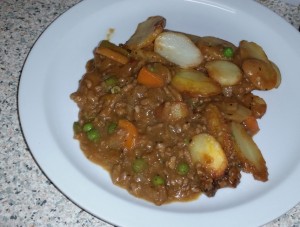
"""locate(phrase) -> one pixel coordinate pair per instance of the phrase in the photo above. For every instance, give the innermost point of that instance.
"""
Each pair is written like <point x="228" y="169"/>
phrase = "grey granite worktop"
<point x="27" y="197"/>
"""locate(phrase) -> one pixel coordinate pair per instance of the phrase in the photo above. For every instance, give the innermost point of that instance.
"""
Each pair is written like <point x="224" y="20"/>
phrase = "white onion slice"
<point x="178" y="49"/>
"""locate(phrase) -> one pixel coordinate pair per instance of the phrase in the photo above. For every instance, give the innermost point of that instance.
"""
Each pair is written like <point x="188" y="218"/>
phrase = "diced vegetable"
<point x="149" y="78"/>
<point x="112" y="127"/>
<point x="157" y="180"/>
<point x="195" y="83"/>
<point x="139" y="165"/>
<point x="93" y="134"/>
<point x="131" y="133"/>
<point x="146" y="32"/>
<point x="224" y="72"/>
<point x="111" y="81"/>
<point x="205" y="149"/>
<point x="228" y="52"/>
<point x="87" y="127"/>
<point x="183" y="168"/>
<point x="178" y="49"/>
<point x="249" y="153"/>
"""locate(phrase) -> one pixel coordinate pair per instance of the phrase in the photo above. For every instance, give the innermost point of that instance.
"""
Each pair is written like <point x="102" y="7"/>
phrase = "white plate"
<point x="57" y="62"/>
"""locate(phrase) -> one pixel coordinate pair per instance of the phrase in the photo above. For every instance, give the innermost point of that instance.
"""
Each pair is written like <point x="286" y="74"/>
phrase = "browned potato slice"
<point x="252" y="50"/>
<point x="195" y="83"/>
<point x="258" y="106"/>
<point x="234" y="111"/>
<point x="248" y="152"/>
<point x="205" y="149"/>
<point x="260" y="73"/>
<point x="146" y="32"/>
<point x="217" y="127"/>
<point x="224" y="72"/>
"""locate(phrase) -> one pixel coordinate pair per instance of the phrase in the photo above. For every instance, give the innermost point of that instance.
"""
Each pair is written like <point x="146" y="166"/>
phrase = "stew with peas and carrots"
<point x="172" y="115"/>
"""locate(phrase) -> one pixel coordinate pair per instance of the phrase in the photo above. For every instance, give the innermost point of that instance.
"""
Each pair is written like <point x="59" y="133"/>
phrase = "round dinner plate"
<point x="57" y="62"/>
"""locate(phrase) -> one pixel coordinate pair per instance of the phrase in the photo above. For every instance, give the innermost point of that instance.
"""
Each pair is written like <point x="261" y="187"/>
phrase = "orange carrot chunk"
<point x="131" y="135"/>
<point x="149" y="79"/>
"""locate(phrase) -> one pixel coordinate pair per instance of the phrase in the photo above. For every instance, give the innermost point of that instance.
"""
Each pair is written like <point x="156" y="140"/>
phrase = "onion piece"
<point x="178" y="49"/>
<point x="224" y="72"/>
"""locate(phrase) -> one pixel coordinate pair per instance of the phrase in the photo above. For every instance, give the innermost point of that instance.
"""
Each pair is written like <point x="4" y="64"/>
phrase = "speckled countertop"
<point x="27" y="197"/>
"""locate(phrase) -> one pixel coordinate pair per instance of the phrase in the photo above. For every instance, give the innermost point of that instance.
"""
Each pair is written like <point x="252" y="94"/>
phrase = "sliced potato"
<point x="252" y="50"/>
<point x="216" y="126"/>
<point x="249" y="153"/>
<point x="234" y="111"/>
<point x="258" y="106"/>
<point x="178" y="49"/>
<point x="146" y="32"/>
<point x="195" y="83"/>
<point x="205" y="149"/>
<point x="260" y="73"/>
<point x="224" y="72"/>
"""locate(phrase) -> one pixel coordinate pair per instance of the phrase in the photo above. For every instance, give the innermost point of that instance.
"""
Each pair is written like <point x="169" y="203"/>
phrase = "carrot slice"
<point x="132" y="133"/>
<point x="251" y="125"/>
<point x="149" y="79"/>
<point x="112" y="55"/>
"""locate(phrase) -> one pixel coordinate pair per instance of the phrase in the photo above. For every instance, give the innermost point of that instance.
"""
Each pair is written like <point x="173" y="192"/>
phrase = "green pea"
<point x="139" y="165"/>
<point x="228" y="52"/>
<point x="158" y="180"/>
<point x="76" y="127"/>
<point x="112" y="127"/>
<point x="111" y="81"/>
<point x="87" y="127"/>
<point x="93" y="135"/>
<point x="183" y="168"/>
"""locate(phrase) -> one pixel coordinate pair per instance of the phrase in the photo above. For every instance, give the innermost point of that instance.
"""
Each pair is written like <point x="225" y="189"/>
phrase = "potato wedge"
<point x="248" y="152"/>
<point x="146" y="32"/>
<point x="195" y="83"/>
<point x="224" y="72"/>
<point x="205" y="149"/>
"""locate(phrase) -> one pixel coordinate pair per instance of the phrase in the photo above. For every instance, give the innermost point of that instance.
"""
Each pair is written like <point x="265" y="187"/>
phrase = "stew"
<point x="172" y="115"/>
